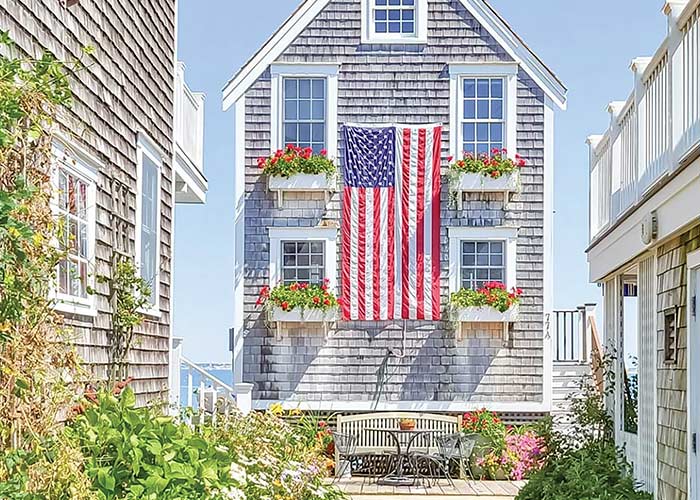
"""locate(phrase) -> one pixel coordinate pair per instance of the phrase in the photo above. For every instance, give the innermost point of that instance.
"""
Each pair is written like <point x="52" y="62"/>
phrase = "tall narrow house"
<point x="128" y="150"/>
<point x="645" y="252"/>
<point x="401" y="95"/>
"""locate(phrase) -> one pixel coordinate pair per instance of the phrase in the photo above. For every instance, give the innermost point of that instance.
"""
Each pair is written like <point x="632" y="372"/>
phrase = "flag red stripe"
<point x="405" y="222"/>
<point x="377" y="251"/>
<point x="362" y="244"/>
<point x="435" y="253"/>
<point x="391" y="254"/>
<point x="345" y="249"/>
<point x="420" y="226"/>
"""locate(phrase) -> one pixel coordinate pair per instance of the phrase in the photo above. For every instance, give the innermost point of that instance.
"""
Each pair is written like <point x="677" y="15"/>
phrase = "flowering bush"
<point x="493" y="294"/>
<point x="522" y="454"/>
<point x="485" y="423"/>
<point x="298" y="295"/>
<point x="295" y="160"/>
<point x="494" y="166"/>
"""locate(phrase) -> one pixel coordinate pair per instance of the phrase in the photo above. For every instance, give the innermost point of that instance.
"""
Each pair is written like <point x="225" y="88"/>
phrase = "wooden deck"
<point x="367" y="489"/>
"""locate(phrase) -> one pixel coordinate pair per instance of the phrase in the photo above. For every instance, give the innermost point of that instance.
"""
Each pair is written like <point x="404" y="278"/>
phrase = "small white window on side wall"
<point x="74" y="180"/>
<point x="394" y="21"/>
<point x="148" y="168"/>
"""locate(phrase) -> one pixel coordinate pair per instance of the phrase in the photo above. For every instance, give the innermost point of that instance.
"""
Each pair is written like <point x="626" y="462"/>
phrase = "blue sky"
<point x="589" y="44"/>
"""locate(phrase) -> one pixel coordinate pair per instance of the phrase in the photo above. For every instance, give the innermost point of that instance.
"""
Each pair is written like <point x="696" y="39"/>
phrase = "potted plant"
<point x="484" y="173"/>
<point x="492" y="303"/>
<point x="298" y="169"/>
<point x="407" y="424"/>
<point x="299" y="302"/>
<point x="488" y="432"/>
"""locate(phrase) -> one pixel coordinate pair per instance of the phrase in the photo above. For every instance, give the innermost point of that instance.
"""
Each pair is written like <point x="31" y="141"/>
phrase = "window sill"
<point x="67" y="306"/>
<point x="376" y="40"/>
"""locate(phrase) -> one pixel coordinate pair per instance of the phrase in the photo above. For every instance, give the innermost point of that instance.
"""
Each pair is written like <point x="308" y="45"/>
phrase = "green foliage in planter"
<point x="494" y="166"/>
<point x="492" y="294"/>
<point x="295" y="160"/>
<point x="302" y="296"/>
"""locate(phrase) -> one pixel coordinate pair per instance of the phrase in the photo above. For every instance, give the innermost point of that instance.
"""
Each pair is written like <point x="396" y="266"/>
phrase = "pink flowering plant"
<point x="523" y="453"/>
<point x="495" y="165"/>
<point x="297" y="160"/>
<point x="492" y="294"/>
<point x="298" y="296"/>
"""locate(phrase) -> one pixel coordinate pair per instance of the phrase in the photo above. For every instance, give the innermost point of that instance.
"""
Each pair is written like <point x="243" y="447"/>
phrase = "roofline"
<point x="486" y="15"/>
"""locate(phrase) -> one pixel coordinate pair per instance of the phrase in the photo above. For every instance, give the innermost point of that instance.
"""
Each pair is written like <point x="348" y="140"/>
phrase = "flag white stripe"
<point x="354" y="253"/>
<point x="398" y="223"/>
<point x="428" y="224"/>
<point x="369" y="253"/>
<point x="383" y="255"/>
<point x="412" y="227"/>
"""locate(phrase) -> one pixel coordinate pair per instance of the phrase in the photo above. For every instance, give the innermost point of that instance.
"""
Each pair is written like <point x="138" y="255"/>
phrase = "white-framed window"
<point x="483" y="108"/>
<point x="304" y="106"/>
<point x="394" y="21"/>
<point x="74" y="178"/>
<point x="303" y="254"/>
<point x="482" y="254"/>
<point x="148" y="168"/>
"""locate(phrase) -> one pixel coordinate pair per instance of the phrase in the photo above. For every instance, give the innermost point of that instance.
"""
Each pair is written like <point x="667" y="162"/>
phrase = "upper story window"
<point x="148" y="217"/>
<point x="304" y="115"/>
<point x="75" y="181"/>
<point x="303" y="106"/>
<point x="482" y="261"/>
<point x="483" y="113"/>
<point x="394" y="21"/>
<point x="483" y="121"/>
<point x="303" y="262"/>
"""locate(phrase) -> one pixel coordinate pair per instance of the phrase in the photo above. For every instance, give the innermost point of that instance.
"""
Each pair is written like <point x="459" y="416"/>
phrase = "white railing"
<point x="653" y="132"/>
<point x="189" y="120"/>
<point x="201" y="391"/>
<point x="572" y="336"/>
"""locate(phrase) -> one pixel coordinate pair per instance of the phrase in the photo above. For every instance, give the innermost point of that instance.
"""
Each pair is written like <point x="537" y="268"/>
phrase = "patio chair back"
<point x="449" y="445"/>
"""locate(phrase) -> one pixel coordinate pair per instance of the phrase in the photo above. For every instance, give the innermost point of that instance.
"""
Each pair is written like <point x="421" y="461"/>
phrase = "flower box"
<point x="479" y="183"/>
<point x="302" y="183"/>
<point x="277" y="316"/>
<point x="485" y="315"/>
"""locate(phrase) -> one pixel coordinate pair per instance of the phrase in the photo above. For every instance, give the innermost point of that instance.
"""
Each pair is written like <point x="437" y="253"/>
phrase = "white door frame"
<point x="693" y="372"/>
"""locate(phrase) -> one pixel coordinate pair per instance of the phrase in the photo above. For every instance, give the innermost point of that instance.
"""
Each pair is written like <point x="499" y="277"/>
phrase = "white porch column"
<point x="244" y="397"/>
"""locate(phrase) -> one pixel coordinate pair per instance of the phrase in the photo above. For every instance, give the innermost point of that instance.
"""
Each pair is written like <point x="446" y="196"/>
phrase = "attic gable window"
<point x="394" y="21"/>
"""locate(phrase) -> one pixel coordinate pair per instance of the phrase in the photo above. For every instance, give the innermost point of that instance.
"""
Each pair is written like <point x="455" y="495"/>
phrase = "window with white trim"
<point x="483" y="102"/>
<point x="482" y="261"/>
<point x="75" y="177"/>
<point x="478" y="255"/>
<point x="304" y="113"/>
<point x="303" y="106"/>
<point x="148" y="217"/>
<point x="394" y="21"/>
<point x="303" y="255"/>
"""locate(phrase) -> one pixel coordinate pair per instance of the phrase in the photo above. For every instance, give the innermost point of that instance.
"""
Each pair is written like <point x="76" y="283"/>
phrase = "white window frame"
<point x="146" y="146"/>
<point x="328" y="235"/>
<point x="278" y="73"/>
<point x="458" y="73"/>
<point x="419" y="36"/>
<point x="84" y="166"/>
<point x="456" y="235"/>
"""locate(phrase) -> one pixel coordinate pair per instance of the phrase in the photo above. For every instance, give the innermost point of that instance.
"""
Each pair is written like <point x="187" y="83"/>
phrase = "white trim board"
<point x="482" y="12"/>
<point x="418" y="406"/>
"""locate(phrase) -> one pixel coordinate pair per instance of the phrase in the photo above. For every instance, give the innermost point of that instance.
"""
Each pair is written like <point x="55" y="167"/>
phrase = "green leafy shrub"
<point x="298" y="296"/>
<point x="295" y="160"/>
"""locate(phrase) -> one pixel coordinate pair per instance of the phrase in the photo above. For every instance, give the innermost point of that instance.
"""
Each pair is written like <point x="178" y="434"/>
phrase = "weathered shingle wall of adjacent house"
<point x="672" y="437"/>
<point x="127" y="86"/>
<point x="397" y="84"/>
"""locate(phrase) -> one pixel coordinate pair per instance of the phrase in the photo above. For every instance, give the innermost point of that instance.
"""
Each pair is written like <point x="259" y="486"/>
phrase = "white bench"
<point x="373" y="442"/>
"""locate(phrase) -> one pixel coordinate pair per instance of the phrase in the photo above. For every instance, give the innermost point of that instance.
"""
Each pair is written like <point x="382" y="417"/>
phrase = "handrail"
<point x="205" y="374"/>
<point x="596" y="355"/>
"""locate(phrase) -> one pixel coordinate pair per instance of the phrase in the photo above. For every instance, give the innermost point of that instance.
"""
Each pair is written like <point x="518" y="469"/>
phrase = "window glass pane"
<point x="497" y="132"/>
<point x="482" y="131"/>
<point x="394" y="15"/>
<point x="380" y="27"/>
<point x="304" y="133"/>
<point x="496" y="87"/>
<point x="407" y="15"/>
<point x="482" y="109"/>
<point x="482" y="148"/>
<point x="304" y="109"/>
<point x="497" y="109"/>
<point x="407" y="28"/>
<point x="394" y="27"/>
<point x="380" y="2"/>
<point x="290" y="133"/>
<point x="290" y="88"/>
<point x="317" y="132"/>
<point x="304" y="88"/>
<point x="394" y="2"/>
<point x="318" y="110"/>
<point x="482" y="88"/>
<point x="303" y="261"/>
<point x="469" y="109"/>
<point x="469" y="131"/>
<point x="469" y="88"/>
<point x="290" y="110"/>
<point x="380" y="15"/>
<point x="318" y="88"/>
<point x="481" y="261"/>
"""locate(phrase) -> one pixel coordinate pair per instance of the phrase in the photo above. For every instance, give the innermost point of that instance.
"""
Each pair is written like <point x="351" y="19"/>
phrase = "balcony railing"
<point x="189" y="120"/>
<point x="651" y="133"/>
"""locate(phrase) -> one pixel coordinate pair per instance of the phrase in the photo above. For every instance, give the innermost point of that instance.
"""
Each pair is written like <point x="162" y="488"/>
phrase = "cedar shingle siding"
<point x="127" y="87"/>
<point x="397" y="84"/>
<point x="672" y="379"/>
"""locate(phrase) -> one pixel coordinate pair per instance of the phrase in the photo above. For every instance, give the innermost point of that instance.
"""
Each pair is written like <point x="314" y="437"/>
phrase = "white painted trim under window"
<point x="84" y="166"/>
<point x="509" y="72"/>
<point x="326" y="234"/>
<point x="509" y="235"/>
<point x="329" y="71"/>
<point x="146" y="146"/>
<point x="419" y="36"/>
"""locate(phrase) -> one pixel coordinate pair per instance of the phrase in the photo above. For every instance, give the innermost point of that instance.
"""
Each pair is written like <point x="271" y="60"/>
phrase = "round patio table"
<point x="403" y="440"/>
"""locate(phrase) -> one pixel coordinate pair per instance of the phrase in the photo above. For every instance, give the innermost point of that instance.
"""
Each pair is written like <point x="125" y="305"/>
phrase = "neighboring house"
<point x="645" y="252"/>
<point x="396" y="62"/>
<point x="129" y="149"/>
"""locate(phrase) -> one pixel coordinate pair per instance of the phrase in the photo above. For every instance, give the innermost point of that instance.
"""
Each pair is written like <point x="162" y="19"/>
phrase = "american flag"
<point x="391" y="223"/>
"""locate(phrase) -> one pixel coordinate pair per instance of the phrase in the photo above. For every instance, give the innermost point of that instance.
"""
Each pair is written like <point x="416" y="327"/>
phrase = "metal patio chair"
<point x="346" y="447"/>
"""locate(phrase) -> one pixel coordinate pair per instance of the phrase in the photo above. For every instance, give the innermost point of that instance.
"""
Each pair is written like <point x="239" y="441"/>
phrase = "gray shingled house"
<point x="129" y="150"/>
<point x="452" y="62"/>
